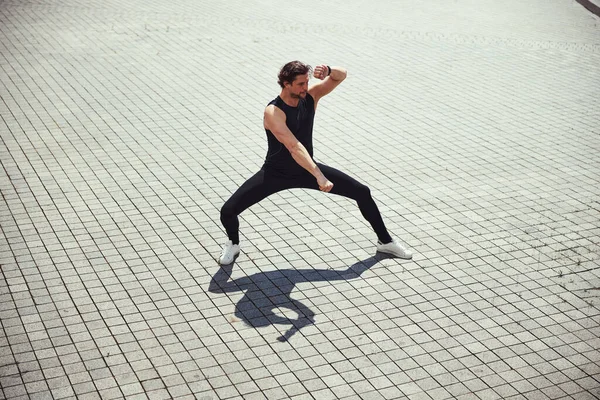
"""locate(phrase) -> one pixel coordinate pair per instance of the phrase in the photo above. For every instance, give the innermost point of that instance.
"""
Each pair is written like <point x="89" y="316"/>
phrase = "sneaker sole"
<point x="403" y="256"/>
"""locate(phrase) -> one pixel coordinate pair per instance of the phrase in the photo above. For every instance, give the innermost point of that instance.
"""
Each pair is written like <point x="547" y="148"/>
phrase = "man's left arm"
<point x="330" y="78"/>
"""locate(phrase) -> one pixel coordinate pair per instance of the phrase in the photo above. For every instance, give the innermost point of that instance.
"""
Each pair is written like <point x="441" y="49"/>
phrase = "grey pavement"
<point x="125" y="125"/>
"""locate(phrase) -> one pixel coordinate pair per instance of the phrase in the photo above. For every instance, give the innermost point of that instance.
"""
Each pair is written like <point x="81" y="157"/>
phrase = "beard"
<point x="301" y="95"/>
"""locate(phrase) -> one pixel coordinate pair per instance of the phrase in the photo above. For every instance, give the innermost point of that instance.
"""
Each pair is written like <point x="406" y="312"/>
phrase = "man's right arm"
<point x="275" y="122"/>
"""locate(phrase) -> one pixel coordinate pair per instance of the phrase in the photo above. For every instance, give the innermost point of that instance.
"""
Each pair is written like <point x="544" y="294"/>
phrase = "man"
<point x="288" y="121"/>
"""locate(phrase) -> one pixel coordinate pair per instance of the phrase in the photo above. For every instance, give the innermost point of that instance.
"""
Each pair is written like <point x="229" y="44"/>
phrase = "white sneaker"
<point x="229" y="253"/>
<point x="394" y="249"/>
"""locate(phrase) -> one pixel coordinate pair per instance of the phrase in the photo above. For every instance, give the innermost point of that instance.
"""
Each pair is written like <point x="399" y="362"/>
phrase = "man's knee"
<point x="228" y="211"/>
<point x="363" y="192"/>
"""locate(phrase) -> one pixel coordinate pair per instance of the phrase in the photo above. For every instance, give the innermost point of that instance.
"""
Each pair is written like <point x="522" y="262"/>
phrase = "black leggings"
<point x="262" y="185"/>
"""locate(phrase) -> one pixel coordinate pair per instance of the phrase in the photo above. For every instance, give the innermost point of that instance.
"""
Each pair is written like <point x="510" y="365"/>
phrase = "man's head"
<point x="293" y="78"/>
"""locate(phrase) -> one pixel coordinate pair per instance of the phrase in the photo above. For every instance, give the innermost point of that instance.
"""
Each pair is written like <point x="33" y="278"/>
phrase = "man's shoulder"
<point x="274" y="110"/>
<point x="276" y="103"/>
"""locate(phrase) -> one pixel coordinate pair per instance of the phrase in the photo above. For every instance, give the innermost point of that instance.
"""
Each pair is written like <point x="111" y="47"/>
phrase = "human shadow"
<point x="267" y="291"/>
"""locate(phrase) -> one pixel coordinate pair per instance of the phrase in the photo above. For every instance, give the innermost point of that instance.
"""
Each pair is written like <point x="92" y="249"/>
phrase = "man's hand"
<point x="321" y="72"/>
<point x="324" y="184"/>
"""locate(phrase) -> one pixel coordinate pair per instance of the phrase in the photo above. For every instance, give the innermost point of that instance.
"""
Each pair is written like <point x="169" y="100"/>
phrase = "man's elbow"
<point x="341" y="75"/>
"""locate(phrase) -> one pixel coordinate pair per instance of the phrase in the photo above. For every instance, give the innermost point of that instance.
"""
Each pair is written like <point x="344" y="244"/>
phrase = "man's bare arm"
<point x="275" y="122"/>
<point x="329" y="80"/>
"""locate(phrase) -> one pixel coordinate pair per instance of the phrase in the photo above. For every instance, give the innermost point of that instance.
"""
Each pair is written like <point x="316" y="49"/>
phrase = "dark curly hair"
<point x="291" y="70"/>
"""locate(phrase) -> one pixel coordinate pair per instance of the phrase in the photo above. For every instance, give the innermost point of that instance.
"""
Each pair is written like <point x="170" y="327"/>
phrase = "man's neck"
<point x="288" y="99"/>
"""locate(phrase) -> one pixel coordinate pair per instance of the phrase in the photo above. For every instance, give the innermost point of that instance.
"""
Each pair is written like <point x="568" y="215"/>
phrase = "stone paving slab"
<point x="124" y="127"/>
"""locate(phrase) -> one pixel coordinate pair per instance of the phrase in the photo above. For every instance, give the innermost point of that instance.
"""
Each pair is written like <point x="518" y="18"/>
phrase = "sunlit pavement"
<point x="125" y="125"/>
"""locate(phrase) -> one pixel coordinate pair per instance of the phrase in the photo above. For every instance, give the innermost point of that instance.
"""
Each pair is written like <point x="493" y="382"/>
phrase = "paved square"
<point x="124" y="126"/>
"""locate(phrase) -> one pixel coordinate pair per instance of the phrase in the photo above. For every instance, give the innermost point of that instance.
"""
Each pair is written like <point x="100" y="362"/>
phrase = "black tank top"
<point x="299" y="120"/>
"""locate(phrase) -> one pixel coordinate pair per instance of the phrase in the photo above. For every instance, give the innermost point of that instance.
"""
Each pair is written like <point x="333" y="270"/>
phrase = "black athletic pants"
<point x="262" y="185"/>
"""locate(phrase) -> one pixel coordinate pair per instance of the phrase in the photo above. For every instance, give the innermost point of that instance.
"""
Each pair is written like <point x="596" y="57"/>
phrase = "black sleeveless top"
<point x="299" y="120"/>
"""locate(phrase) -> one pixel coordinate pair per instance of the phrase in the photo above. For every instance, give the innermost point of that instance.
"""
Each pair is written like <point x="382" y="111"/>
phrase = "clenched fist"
<point x="321" y="72"/>
<point x="325" y="184"/>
